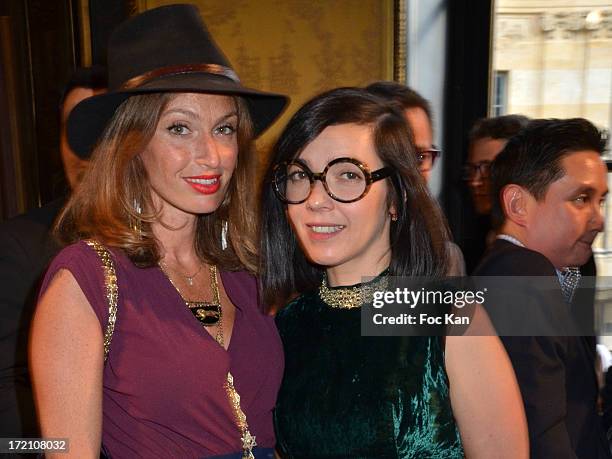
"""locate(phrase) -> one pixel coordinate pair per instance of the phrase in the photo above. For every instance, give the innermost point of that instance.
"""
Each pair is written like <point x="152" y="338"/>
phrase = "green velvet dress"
<point x="344" y="395"/>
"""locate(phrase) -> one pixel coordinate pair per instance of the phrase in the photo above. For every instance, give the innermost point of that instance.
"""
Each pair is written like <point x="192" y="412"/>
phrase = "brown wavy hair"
<point x="103" y="206"/>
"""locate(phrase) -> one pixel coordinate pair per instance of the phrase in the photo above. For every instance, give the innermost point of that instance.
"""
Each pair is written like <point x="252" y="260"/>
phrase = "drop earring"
<point x="136" y="221"/>
<point x="224" y="234"/>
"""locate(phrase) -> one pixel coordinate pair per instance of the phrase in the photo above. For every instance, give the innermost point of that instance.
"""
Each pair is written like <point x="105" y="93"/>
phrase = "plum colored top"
<point x="163" y="387"/>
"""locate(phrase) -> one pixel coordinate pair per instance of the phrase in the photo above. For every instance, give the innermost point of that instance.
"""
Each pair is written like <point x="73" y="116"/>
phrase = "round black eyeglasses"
<point x="481" y="168"/>
<point x="344" y="179"/>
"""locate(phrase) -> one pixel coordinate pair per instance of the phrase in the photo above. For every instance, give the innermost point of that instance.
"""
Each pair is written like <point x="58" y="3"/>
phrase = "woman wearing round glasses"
<point x="342" y="201"/>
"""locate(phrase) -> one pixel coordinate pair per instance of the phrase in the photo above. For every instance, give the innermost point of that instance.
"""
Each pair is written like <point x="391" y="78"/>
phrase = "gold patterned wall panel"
<point x="303" y="47"/>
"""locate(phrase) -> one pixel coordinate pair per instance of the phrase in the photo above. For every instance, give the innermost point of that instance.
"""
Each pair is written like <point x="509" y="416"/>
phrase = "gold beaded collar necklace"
<point x="353" y="296"/>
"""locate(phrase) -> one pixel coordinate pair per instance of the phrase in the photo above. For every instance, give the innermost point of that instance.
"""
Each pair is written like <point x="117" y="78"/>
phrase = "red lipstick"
<point x="204" y="184"/>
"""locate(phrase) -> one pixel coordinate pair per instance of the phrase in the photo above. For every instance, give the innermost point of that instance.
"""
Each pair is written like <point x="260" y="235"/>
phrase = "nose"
<point x="319" y="200"/>
<point x="475" y="180"/>
<point x="207" y="153"/>
<point x="598" y="217"/>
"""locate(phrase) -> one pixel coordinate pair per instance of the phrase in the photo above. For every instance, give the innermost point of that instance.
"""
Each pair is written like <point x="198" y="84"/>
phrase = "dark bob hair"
<point x="418" y="237"/>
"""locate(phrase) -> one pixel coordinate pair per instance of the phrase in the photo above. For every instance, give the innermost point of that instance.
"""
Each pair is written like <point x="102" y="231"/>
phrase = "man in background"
<point x="417" y="112"/>
<point x="487" y="139"/>
<point x="549" y="183"/>
<point x="26" y="246"/>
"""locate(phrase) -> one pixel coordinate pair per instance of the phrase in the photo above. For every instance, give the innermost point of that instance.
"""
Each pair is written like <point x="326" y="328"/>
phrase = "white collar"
<point x="512" y="239"/>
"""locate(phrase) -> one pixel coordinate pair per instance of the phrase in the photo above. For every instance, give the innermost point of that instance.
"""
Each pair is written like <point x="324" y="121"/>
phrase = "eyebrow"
<point x="194" y="115"/>
<point x="589" y="190"/>
<point x="181" y="111"/>
<point x="330" y="157"/>
<point x="228" y="116"/>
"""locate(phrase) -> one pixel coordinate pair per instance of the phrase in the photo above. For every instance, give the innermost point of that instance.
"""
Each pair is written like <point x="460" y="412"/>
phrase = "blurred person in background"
<point x="487" y="139"/>
<point x="26" y="246"/>
<point x="418" y="115"/>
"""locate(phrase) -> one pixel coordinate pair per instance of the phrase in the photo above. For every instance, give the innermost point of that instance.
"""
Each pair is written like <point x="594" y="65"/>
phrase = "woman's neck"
<point x="177" y="241"/>
<point x="346" y="274"/>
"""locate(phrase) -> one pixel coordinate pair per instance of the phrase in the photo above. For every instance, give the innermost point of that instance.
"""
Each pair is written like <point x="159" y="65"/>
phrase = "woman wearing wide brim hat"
<point x="148" y="339"/>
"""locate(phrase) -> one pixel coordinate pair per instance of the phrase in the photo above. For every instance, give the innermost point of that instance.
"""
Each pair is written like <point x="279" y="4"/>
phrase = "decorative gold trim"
<point x="112" y="291"/>
<point x="171" y="70"/>
<point x="400" y="41"/>
<point x="248" y="440"/>
<point x="354" y="296"/>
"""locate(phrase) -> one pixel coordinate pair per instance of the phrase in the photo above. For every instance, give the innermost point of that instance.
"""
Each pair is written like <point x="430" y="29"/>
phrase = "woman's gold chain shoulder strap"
<point x="112" y="291"/>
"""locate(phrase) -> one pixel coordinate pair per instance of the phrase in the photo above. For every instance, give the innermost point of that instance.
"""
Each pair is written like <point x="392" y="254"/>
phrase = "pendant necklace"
<point x="207" y="313"/>
<point x="187" y="278"/>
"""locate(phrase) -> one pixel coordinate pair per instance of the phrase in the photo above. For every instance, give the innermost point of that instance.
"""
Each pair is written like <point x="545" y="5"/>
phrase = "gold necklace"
<point x="354" y="296"/>
<point x="189" y="279"/>
<point x="208" y="314"/>
<point x="248" y="440"/>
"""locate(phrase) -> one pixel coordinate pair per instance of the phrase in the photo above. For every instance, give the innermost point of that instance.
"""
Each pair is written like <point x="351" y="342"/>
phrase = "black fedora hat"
<point x="166" y="49"/>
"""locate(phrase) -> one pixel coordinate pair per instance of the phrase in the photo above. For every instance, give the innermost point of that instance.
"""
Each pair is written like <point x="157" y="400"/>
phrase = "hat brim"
<point x="89" y="118"/>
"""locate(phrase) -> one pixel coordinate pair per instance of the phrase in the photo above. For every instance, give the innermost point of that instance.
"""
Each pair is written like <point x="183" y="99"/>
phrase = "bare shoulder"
<point x="64" y="295"/>
<point x="64" y="321"/>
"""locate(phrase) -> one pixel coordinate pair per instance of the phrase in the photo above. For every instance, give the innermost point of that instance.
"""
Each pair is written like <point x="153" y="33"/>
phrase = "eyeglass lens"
<point x="344" y="181"/>
<point x="482" y="168"/>
<point x="426" y="157"/>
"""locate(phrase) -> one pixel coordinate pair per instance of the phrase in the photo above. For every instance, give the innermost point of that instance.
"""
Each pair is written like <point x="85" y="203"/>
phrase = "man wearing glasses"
<point x="418" y="115"/>
<point x="417" y="112"/>
<point x="487" y="139"/>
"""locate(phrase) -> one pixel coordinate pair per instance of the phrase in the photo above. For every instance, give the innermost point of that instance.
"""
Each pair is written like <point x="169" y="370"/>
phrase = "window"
<point x="499" y="101"/>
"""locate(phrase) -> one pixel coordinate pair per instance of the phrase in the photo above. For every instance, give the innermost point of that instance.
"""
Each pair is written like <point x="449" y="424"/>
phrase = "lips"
<point x="323" y="231"/>
<point x="587" y="244"/>
<point x="589" y="238"/>
<point x="204" y="184"/>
